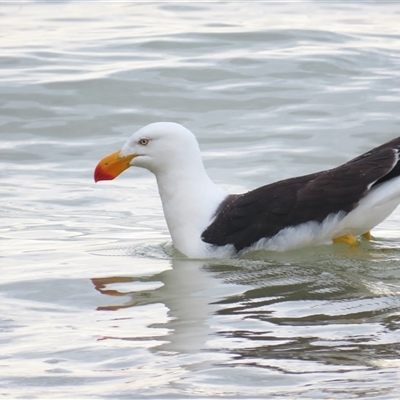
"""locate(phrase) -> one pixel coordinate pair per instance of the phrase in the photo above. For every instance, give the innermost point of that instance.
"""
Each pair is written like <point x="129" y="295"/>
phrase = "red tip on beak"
<point x="100" y="174"/>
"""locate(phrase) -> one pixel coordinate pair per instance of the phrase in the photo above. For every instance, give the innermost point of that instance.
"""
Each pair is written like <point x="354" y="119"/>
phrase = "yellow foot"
<point x="367" y="235"/>
<point x="348" y="239"/>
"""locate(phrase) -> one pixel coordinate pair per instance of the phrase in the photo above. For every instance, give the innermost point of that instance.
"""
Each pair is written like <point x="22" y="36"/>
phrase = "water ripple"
<point x="93" y="298"/>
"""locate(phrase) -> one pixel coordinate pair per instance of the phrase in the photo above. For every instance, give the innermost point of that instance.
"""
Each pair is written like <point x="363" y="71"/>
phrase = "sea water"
<point x="93" y="302"/>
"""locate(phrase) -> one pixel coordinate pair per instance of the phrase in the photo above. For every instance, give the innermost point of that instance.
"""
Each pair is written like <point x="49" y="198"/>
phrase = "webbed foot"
<point x="367" y="236"/>
<point x="348" y="239"/>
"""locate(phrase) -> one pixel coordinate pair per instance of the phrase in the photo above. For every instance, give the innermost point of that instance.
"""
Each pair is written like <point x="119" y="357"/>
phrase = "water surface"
<point x="93" y="303"/>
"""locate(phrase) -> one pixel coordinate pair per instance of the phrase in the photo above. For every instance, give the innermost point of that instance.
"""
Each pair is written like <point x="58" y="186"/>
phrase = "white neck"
<point x="190" y="200"/>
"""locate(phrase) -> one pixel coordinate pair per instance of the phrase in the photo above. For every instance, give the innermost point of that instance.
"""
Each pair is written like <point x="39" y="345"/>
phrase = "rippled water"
<point x="93" y="304"/>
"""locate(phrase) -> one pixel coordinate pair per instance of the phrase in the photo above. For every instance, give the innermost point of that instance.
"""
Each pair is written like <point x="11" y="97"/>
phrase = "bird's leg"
<point x="367" y="236"/>
<point x="348" y="239"/>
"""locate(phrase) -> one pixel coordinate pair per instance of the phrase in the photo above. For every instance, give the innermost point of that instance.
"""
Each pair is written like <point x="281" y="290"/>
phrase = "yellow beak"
<point x="111" y="166"/>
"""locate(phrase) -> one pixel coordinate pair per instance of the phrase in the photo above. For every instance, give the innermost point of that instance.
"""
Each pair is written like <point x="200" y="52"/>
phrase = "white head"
<point x="161" y="145"/>
<point x="158" y="147"/>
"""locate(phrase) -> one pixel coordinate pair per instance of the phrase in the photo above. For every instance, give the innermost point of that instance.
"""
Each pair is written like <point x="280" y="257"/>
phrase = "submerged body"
<point x="205" y="221"/>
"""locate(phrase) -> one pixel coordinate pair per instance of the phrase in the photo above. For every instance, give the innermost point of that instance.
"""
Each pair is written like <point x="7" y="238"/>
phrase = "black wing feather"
<point x="242" y="220"/>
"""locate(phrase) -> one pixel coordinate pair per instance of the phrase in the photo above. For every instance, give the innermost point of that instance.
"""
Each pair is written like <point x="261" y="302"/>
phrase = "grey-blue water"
<point x="93" y="304"/>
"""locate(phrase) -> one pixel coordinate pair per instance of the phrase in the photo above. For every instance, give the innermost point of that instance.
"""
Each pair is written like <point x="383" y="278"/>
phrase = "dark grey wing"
<point x="261" y="213"/>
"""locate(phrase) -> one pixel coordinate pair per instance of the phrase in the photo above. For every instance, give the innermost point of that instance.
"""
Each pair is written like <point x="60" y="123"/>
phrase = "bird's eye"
<point x="144" y="141"/>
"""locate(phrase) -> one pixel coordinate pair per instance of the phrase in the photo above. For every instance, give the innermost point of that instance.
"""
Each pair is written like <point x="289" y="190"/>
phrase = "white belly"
<point x="372" y="209"/>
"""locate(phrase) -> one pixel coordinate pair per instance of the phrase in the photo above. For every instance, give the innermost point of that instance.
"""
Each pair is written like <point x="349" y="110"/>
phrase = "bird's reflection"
<point x="101" y="285"/>
<point x="188" y="291"/>
<point x="278" y="309"/>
